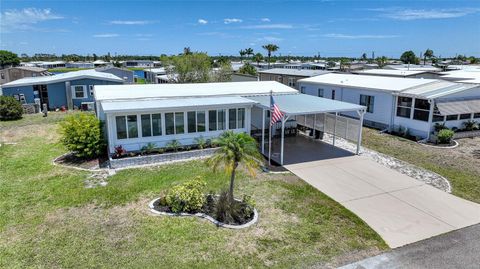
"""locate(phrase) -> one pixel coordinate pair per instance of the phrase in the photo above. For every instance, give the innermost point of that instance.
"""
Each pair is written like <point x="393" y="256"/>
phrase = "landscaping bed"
<point x="70" y="159"/>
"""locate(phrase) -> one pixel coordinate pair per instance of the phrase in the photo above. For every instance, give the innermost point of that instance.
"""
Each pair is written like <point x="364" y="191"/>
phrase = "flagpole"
<point x="270" y="130"/>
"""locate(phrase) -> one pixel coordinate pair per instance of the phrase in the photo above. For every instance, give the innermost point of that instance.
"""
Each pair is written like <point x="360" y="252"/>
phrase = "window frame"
<point x="320" y="92"/>
<point x="369" y="102"/>
<point x="421" y="110"/>
<point x="407" y="108"/>
<point x="74" y="91"/>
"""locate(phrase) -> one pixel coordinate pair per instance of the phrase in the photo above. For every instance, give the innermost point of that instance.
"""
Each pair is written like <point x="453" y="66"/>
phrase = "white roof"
<point x="391" y="72"/>
<point x="413" y="67"/>
<point x="156" y="70"/>
<point x="144" y="91"/>
<point x="424" y="88"/>
<point x="111" y="106"/>
<point x="464" y="76"/>
<point x="383" y="83"/>
<point x="91" y="74"/>
<point x="294" y="72"/>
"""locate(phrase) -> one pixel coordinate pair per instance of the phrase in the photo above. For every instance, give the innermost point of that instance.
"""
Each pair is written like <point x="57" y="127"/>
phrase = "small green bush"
<point x="10" y="108"/>
<point x="82" y="134"/>
<point x="187" y="197"/>
<point x="470" y="125"/>
<point x="445" y="136"/>
<point x="174" y="145"/>
<point x="148" y="148"/>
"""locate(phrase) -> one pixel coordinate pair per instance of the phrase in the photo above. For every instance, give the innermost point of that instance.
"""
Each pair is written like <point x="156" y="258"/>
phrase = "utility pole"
<point x="373" y="55"/>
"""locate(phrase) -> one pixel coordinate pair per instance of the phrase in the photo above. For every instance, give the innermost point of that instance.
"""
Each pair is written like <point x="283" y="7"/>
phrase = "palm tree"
<point x="249" y="51"/>
<point x="428" y="54"/>
<point x="187" y="51"/>
<point x="270" y="48"/>
<point x="242" y="53"/>
<point x="258" y="58"/>
<point x="235" y="149"/>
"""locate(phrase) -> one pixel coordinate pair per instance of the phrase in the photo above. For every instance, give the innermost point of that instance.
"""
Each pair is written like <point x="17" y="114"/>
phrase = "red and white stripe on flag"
<point x="275" y="113"/>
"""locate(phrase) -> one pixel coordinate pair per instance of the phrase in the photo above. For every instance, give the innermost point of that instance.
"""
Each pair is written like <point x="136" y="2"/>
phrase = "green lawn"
<point x="460" y="166"/>
<point x="49" y="219"/>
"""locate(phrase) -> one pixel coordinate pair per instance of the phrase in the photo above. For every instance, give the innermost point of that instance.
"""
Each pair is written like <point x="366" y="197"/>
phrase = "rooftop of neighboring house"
<point x="30" y="68"/>
<point x="82" y="74"/>
<point x="294" y="72"/>
<point x="423" y="88"/>
<point x="392" y="72"/>
<point x="144" y="91"/>
<point x="413" y="67"/>
<point x="464" y="76"/>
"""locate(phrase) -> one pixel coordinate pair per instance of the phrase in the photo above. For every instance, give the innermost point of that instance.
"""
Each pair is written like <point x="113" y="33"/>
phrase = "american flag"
<point x="275" y="113"/>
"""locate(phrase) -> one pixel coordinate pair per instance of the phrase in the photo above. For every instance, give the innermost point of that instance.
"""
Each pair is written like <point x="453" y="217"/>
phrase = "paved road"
<point x="457" y="249"/>
<point x="400" y="209"/>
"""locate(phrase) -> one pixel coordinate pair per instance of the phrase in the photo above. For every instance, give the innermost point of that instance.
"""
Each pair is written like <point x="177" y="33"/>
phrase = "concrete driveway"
<point x="400" y="209"/>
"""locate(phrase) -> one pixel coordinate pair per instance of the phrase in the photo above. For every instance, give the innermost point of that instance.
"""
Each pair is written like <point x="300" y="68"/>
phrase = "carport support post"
<point x="359" y="138"/>
<point x="314" y="121"/>
<point x="335" y="128"/>
<point x="284" y="119"/>
<point x="263" y="131"/>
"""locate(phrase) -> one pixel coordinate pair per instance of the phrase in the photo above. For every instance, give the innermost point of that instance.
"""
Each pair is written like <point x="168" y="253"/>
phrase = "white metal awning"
<point x="455" y="107"/>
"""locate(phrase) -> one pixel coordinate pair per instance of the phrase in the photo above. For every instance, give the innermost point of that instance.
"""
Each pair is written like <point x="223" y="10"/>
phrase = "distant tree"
<point x="382" y="61"/>
<point x="428" y="54"/>
<point x="249" y="52"/>
<point x="258" y="58"/>
<point x="8" y="59"/>
<point x="223" y="73"/>
<point x="409" y="57"/>
<point x="117" y="64"/>
<point x="344" y="64"/>
<point x="248" y="69"/>
<point x="95" y="57"/>
<point x="331" y="64"/>
<point x="188" y="68"/>
<point x="187" y="51"/>
<point x="364" y="56"/>
<point x="270" y="48"/>
<point x="108" y="58"/>
<point x="242" y="54"/>
<point x="473" y="60"/>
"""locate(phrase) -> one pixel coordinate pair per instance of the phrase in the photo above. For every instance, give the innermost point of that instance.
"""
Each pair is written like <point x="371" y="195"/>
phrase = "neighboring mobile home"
<point x="69" y="90"/>
<point x="288" y="77"/>
<point x="126" y="74"/>
<point x="14" y="73"/>
<point x="399" y="73"/>
<point x="416" y="104"/>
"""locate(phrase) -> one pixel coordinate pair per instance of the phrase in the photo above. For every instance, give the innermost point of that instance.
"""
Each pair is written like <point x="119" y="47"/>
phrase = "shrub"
<point x="148" y="148"/>
<point x="174" y="145"/>
<point x="186" y="197"/>
<point x="201" y="142"/>
<point x="10" y="108"/>
<point x="120" y="151"/>
<point x="82" y="134"/>
<point x="440" y="126"/>
<point x="445" y="136"/>
<point x="470" y="125"/>
<point x="233" y="212"/>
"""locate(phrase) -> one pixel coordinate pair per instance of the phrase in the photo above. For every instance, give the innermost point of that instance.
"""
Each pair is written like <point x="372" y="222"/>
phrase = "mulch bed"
<point x="72" y="160"/>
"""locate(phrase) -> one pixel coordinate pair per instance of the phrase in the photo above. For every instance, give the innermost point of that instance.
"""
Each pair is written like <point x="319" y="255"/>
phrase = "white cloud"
<point x="202" y="21"/>
<point x="344" y="36"/>
<point x="424" y="14"/>
<point x="269" y="26"/>
<point x="269" y="39"/>
<point x="106" y="35"/>
<point x="265" y="19"/>
<point x="121" y="22"/>
<point x="232" y="20"/>
<point x="25" y="19"/>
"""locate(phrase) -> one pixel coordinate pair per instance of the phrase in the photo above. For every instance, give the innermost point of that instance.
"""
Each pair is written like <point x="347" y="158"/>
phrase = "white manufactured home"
<point x="135" y="115"/>
<point x="413" y="103"/>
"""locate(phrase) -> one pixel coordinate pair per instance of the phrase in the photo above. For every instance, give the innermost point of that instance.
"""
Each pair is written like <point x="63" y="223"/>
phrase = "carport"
<point x="317" y="113"/>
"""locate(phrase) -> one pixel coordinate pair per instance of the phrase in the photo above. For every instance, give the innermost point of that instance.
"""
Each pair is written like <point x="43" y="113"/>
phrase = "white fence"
<point x="344" y="127"/>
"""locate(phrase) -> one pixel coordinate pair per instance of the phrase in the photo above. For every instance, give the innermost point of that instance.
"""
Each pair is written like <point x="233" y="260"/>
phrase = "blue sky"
<point x="328" y="27"/>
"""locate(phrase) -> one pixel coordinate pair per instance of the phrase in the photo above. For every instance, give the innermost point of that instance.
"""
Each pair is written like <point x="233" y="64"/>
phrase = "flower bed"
<point x="206" y="212"/>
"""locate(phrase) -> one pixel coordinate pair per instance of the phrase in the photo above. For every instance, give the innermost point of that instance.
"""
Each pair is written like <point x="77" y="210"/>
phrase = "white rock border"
<point x="421" y="142"/>
<point x="205" y="216"/>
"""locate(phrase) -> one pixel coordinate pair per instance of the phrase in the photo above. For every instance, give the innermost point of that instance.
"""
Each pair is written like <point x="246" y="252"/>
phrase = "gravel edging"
<point x="403" y="167"/>
<point x="205" y="216"/>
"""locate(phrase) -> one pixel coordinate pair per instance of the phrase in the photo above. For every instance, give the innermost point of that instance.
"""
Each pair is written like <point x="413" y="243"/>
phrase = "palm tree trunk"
<point x="232" y="180"/>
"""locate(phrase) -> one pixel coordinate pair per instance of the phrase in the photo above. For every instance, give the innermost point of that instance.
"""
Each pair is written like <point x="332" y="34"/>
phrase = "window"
<point x="212" y="120"/>
<point x="121" y="127"/>
<point x="146" y="125"/>
<point x="421" y="110"/>
<point x="132" y="126"/>
<point x="79" y="91"/>
<point x="368" y="101"/>
<point x="232" y="118"/>
<point x="241" y="118"/>
<point x="320" y="92"/>
<point x="221" y="119"/>
<point x="476" y="115"/>
<point x="333" y="94"/>
<point x="157" y="124"/>
<point x="437" y="118"/>
<point x="179" y="124"/>
<point x="191" y="122"/>
<point x="90" y="89"/>
<point x="201" y="121"/>
<point x="3" y="75"/>
<point x="302" y="89"/>
<point x="404" y="106"/>
<point x="169" y="124"/>
<point x="452" y="117"/>
<point x="291" y="82"/>
<point x="465" y="116"/>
